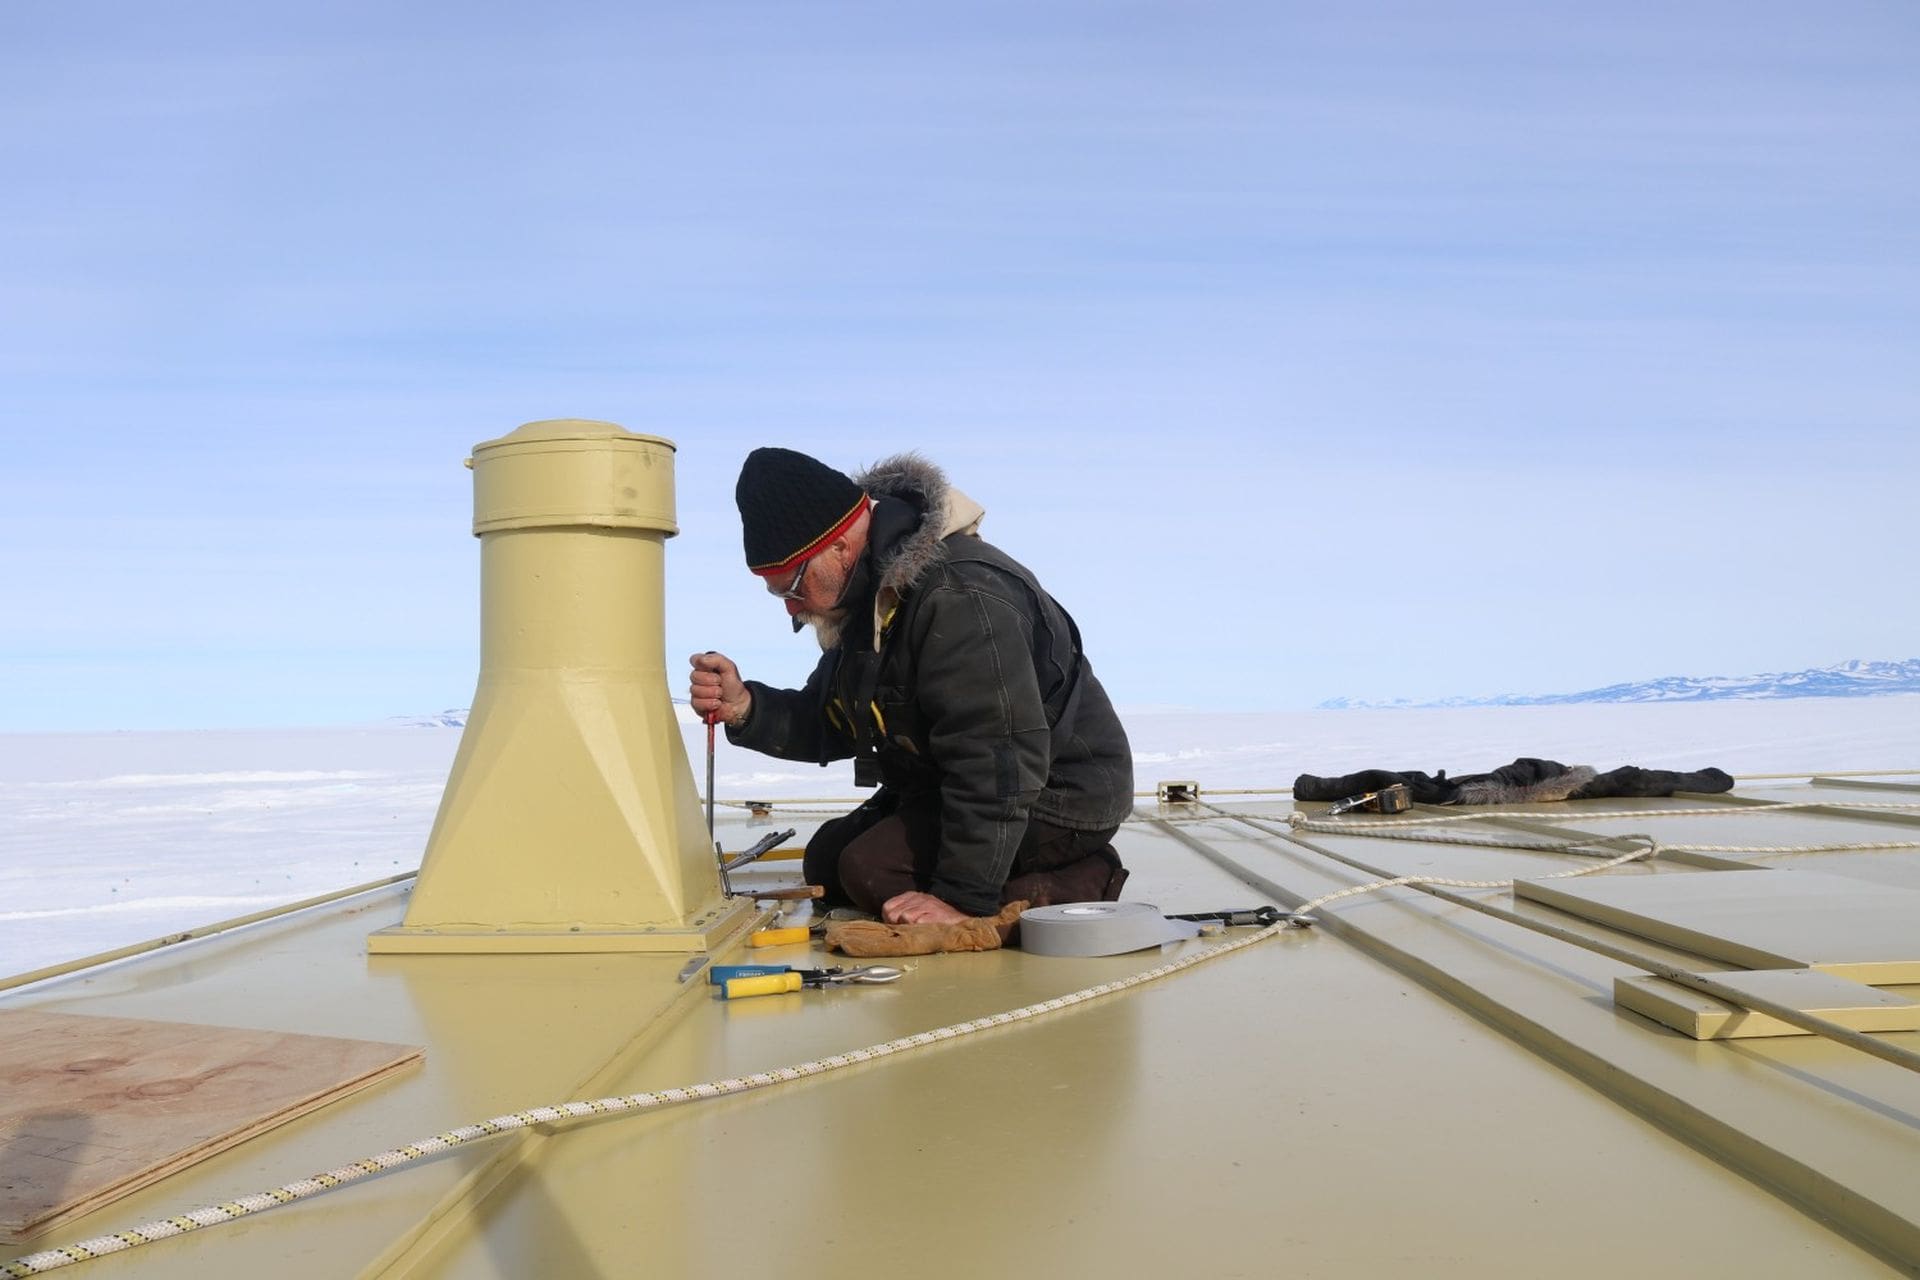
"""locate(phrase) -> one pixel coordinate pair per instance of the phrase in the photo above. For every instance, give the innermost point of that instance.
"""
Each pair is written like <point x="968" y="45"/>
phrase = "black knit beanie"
<point x="790" y="507"/>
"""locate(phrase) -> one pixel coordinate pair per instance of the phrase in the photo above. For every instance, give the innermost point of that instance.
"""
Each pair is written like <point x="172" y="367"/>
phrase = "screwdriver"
<point x="779" y="937"/>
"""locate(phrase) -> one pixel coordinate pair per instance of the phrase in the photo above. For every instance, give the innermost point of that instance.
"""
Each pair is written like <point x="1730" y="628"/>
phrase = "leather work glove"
<point x="877" y="938"/>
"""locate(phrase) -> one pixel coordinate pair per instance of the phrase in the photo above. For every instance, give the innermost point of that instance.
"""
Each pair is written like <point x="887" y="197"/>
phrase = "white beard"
<point x="826" y="626"/>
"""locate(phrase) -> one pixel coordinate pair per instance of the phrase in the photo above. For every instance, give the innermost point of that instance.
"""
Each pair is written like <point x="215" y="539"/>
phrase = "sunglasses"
<point x="793" y="588"/>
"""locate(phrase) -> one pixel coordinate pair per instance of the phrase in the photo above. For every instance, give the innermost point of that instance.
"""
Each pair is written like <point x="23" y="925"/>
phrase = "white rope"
<point x="1408" y="829"/>
<point x="1826" y="773"/>
<point x="316" y="1184"/>
<point x="1301" y="822"/>
<point x="319" y="1183"/>
<point x="1583" y="815"/>
<point x="1652" y="847"/>
<point x="793" y="804"/>
<point x="1784" y="850"/>
<point x="800" y="804"/>
<point x="241" y="1206"/>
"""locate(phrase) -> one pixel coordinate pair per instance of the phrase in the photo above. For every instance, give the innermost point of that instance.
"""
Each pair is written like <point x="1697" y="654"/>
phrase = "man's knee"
<point x="821" y="861"/>
<point x="1098" y="877"/>
<point x="883" y="861"/>
<point x="1060" y="865"/>
<point x="1047" y="847"/>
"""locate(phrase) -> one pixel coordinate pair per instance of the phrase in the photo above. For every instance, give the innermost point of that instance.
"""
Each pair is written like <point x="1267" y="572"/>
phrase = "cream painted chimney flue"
<point x="570" y="821"/>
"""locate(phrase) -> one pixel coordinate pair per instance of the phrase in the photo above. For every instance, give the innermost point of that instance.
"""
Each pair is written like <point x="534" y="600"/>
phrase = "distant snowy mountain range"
<point x="456" y="718"/>
<point x="1854" y="679"/>
<point x="452" y="718"/>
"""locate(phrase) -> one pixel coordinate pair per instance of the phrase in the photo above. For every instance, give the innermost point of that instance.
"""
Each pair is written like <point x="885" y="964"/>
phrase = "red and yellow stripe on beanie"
<point x="791" y="508"/>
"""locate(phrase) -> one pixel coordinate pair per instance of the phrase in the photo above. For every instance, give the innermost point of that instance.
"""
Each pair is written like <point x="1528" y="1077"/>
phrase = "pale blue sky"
<point x="1304" y="350"/>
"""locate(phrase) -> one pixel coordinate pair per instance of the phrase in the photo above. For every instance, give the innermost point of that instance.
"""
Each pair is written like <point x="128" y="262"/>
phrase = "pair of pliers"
<point x="738" y="980"/>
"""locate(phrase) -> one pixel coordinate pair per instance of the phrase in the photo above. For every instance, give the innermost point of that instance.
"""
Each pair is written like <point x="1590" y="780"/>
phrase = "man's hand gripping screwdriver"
<point x="712" y="718"/>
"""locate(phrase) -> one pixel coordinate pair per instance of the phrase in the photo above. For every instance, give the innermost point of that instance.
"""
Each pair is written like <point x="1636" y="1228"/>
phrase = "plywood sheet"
<point x="93" y="1108"/>
<point x="1851" y="1004"/>
<point x="1783" y="919"/>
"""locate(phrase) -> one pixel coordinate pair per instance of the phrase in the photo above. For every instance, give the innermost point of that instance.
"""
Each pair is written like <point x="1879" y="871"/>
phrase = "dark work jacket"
<point x="976" y="692"/>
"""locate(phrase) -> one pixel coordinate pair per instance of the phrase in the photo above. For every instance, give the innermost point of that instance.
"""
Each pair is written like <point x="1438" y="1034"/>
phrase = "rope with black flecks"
<point x="319" y="1183"/>
<point x="1414" y="829"/>
<point x="316" y="1184"/>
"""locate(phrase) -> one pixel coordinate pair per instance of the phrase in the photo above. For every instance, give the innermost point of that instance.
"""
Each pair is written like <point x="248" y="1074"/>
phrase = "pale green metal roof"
<point x="1410" y="1088"/>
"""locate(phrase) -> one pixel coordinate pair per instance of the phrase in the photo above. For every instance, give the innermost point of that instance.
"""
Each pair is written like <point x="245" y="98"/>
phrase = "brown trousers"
<point x="889" y="845"/>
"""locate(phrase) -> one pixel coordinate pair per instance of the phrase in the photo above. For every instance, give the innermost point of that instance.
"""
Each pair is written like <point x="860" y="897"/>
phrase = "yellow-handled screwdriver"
<point x="766" y="984"/>
<point x="778" y="937"/>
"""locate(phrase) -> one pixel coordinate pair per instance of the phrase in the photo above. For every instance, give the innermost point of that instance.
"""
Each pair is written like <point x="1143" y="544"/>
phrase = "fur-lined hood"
<point x="945" y="511"/>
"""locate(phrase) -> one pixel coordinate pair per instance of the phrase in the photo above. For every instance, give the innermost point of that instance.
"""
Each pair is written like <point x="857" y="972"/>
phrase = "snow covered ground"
<point x="111" y="838"/>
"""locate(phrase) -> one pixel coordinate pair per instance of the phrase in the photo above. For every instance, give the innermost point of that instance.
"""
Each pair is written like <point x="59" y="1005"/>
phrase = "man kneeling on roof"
<point x="948" y="675"/>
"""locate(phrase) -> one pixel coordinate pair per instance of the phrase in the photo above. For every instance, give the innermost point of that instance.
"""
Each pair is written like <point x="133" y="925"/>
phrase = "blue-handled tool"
<point x="736" y="981"/>
<point x="719" y="974"/>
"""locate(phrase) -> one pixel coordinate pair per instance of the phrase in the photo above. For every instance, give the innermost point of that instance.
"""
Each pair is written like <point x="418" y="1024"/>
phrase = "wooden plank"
<point x="94" y="1108"/>
<point x="1851" y="1004"/>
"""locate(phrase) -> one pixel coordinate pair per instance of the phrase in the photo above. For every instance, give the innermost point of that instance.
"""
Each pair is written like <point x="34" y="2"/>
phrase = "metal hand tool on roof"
<point x="1212" y="922"/>
<point x="766" y="844"/>
<point x="1262" y="916"/>
<point x="1393" y="799"/>
<point x="740" y="980"/>
<point x="790" y="893"/>
<point x="691" y="967"/>
<point x="726" y="886"/>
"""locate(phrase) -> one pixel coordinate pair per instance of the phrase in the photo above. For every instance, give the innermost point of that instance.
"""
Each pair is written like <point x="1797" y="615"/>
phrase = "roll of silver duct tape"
<point x="1098" y="929"/>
